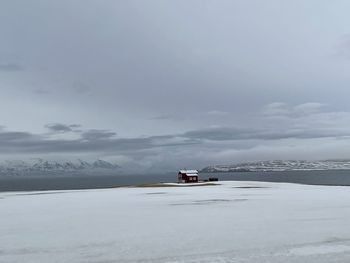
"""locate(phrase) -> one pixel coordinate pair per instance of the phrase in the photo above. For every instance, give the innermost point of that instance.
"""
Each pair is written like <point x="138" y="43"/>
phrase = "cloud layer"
<point x="281" y="127"/>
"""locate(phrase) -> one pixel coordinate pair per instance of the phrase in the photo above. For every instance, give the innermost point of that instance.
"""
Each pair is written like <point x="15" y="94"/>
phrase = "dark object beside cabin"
<point x="213" y="179"/>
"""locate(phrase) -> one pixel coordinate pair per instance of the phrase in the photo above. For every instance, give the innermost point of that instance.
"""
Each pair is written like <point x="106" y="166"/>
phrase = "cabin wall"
<point x="194" y="179"/>
<point x="183" y="178"/>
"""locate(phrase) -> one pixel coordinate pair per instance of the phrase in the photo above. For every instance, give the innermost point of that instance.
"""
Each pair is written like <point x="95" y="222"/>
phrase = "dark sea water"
<point x="50" y="182"/>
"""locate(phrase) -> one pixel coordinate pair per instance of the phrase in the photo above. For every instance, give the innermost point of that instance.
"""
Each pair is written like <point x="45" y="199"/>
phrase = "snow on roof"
<point x="189" y="172"/>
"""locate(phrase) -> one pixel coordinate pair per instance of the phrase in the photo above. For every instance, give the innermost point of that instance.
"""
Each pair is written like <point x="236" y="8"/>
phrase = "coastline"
<point x="71" y="182"/>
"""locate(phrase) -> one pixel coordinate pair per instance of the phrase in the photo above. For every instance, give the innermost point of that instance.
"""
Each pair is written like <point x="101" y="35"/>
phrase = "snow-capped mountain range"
<point x="280" y="165"/>
<point x="39" y="166"/>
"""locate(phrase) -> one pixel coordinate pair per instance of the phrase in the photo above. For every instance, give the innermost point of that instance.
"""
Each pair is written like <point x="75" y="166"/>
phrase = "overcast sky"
<point x="172" y="84"/>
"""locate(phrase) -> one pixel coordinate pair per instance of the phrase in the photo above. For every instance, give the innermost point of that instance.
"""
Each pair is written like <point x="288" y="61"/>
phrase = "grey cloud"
<point x="308" y="108"/>
<point x="192" y="115"/>
<point x="96" y="140"/>
<point x="276" y="108"/>
<point x="16" y="136"/>
<point x="218" y="134"/>
<point x="61" y="128"/>
<point x="28" y="143"/>
<point x="284" y="109"/>
<point x="253" y="133"/>
<point x="94" y="134"/>
<point x="196" y="147"/>
<point x="75" y="125"/>
<point x="93" y="141"/>
<point x="10" y="67"/>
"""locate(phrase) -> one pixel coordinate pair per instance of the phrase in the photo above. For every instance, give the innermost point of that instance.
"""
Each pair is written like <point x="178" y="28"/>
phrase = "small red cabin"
<point x="188" y="176"/>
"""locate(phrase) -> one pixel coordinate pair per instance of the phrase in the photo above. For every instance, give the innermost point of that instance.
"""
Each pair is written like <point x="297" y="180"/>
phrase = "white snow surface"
<point x="232" y="222"/>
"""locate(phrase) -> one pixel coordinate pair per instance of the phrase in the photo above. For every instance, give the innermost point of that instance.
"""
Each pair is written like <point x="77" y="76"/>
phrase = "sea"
<point x="70" y="182"/>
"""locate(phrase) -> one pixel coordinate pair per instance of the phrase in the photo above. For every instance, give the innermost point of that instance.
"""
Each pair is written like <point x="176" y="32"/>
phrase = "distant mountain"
<point x="279" y="165"/>
<point x="40" y="166"/>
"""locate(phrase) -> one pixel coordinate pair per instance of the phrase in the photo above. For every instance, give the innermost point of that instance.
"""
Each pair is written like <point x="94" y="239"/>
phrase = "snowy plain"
<point x="230" y="222"/>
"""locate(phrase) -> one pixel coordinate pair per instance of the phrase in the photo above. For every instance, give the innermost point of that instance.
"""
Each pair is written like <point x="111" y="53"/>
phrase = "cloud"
<point x="276" y="108"/>
<point x="276" y="133"/>
<point x="9" y="137"/>
<point x="191" y="115"/>
<point x="311" y="125"/>
<point x="94" y="134"/>
<point x="281" y="121"/>
<point x="10" y="67"/>
<point x="218" y="134"/>
<point x="301" y="126"/>
<point x="308" y="108"/>
<point x="91" y="141"/>
<point x="284" y="109"/>
<point x="61" y="128"/>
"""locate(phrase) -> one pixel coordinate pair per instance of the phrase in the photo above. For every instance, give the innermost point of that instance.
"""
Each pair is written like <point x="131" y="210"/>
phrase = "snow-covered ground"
<point x="233" y="222"/>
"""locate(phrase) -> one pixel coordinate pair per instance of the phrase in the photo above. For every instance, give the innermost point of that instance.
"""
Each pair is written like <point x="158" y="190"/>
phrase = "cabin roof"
<point x="189" y="172"/>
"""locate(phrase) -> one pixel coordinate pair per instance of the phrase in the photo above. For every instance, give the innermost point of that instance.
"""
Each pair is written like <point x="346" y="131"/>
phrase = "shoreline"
<point x="46" y="183"/>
